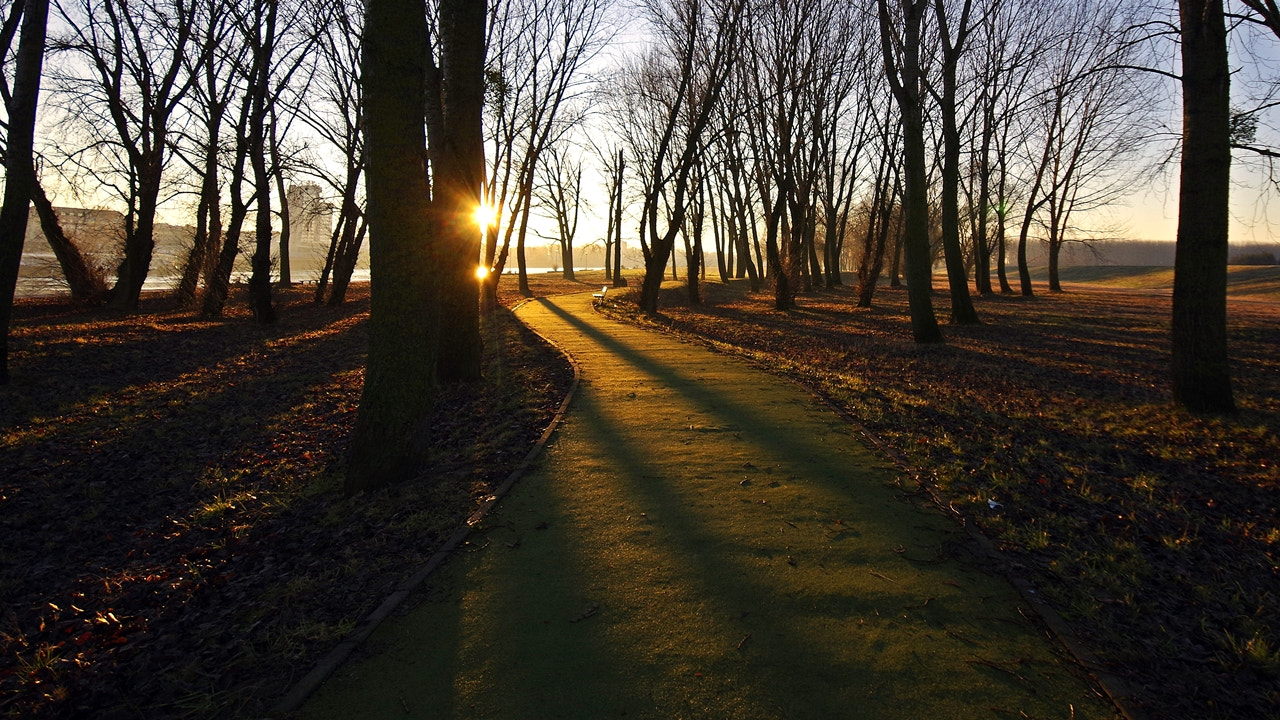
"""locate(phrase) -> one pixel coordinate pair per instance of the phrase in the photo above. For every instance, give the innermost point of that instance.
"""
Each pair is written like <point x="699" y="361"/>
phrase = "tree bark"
<point x="458" y="178"/>
<point x="20" y="172"/>
<point x="139" y="242"/>
<point x="392" y="436"/>
<point x="904" y="76"/>
<point x="277" y="172"/>
<point x="1201" y="373"/>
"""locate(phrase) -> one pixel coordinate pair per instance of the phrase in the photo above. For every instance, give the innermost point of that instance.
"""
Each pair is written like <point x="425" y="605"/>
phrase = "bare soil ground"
<point x="1050" y="426"/>
<point x="175" y="538"/>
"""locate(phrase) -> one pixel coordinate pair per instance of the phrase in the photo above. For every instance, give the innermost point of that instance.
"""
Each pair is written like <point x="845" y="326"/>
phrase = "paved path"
<point x="704" y="540"/>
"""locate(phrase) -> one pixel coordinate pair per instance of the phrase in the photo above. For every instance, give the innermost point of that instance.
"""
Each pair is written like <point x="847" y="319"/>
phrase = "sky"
<point x="1149" y="212"/>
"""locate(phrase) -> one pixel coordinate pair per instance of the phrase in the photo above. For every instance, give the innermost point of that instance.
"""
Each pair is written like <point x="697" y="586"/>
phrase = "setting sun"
<point x="482" y="272"/>
<point x="485" y="215"/>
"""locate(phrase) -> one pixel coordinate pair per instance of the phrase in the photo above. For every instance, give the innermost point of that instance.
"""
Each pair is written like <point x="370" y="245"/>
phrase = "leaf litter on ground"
<point x="176" y="541"/>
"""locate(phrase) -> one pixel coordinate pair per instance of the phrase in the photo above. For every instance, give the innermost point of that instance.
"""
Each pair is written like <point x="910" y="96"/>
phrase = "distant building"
<point x="95" y="231"/>
<point x="310" y="216"/>
<point x="310" y="228"/>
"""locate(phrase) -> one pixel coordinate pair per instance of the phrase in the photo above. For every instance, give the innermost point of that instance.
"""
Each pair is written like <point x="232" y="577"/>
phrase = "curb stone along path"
<point x="706" y="540"/>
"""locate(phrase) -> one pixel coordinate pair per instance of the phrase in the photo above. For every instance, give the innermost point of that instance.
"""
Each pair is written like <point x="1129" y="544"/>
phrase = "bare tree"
<point x="1105" y="128"/>
<point x="334" y="111"/>
<point x="1002" y="66"/>
<point x="882" y="209"/>
<point x="277" y="49"/>
<point x="613" y="164"/>
<point x="1082" y="123"/>
<point x="903" y="69"/>
<point x="124" y="94"/>
<point x="537" y="92"/>
<point x="212" y="91"/>
<point x="559" y="193"/>
<point x="699" y="45"/>
<point x="20" y="173"/>
<point x="86" y="280"/>
<point x="954" y="28"/>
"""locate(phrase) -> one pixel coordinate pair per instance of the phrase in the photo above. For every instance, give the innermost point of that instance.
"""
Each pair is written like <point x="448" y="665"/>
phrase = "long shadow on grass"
<point x="710" y="558"/>
<point x="93" y="515"/>
<point x="1137" y="532"/>
<point x="59" y="365"/>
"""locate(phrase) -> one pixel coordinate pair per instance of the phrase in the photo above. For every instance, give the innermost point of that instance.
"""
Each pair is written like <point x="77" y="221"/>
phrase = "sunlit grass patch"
<point x="1051" y="428"/>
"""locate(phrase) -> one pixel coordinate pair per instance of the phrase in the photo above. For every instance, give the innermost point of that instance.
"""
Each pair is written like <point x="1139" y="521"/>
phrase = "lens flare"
<point x="486" y="215"/>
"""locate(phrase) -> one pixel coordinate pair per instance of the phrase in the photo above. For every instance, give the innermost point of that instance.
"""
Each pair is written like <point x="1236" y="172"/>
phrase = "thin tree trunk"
<point x="962" y="310"/>
<point x="286" y="271"/>
<point x="260" y="274"/>
<point x="618" y="280"/>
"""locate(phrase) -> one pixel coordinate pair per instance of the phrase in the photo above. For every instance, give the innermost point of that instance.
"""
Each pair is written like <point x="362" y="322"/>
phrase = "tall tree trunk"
<point x="981" y="248"/>
<point x="1002" y="252"/>
<point x="915" y="240"/>
<point x="962" y="310"/>
<point x="1201" y="373"/>
<point x="458" y="175"/>
<point x="782" y="292"/>
<point x="618" y="280"/>
<point x="392" y="435"/>
<point x="260" y="274"/>
<point x="20" y="172"/>
<point x="218" y="284"/>
<point x="906" y="89"/>
<point x="185" y="293"/>
<point x="277" y="171"/>
<point x="522" y="263"/>
<point x="876" y="238"/>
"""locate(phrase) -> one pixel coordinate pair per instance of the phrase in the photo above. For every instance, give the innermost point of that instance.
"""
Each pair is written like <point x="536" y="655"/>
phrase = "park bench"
<point x="597" y="298"/>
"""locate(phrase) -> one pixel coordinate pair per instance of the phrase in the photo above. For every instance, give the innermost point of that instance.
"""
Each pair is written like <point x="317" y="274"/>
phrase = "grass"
<point x="1258" y="282"/>
<point x="1050" y="426"/>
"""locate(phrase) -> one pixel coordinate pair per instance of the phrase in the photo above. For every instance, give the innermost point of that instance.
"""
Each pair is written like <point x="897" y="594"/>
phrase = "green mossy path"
<point x="704" y="540"/>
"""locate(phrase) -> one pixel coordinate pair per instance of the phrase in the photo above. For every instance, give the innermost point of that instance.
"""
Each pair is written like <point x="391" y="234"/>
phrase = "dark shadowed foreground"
<point x="1051" y="426"/>
<point x="175" y="541"/>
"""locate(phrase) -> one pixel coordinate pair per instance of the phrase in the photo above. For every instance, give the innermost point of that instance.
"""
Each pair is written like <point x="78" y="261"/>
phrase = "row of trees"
<point x="920" y="130"/>
<point x="945" y="130"/>
<point x="938" y="127"/>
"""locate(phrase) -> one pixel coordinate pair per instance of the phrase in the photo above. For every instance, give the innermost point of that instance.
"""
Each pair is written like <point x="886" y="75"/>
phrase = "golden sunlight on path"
<point x="706" y="541"/>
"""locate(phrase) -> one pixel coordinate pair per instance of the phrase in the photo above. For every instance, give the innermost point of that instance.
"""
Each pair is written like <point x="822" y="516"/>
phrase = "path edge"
<point x="320" y="672"/>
